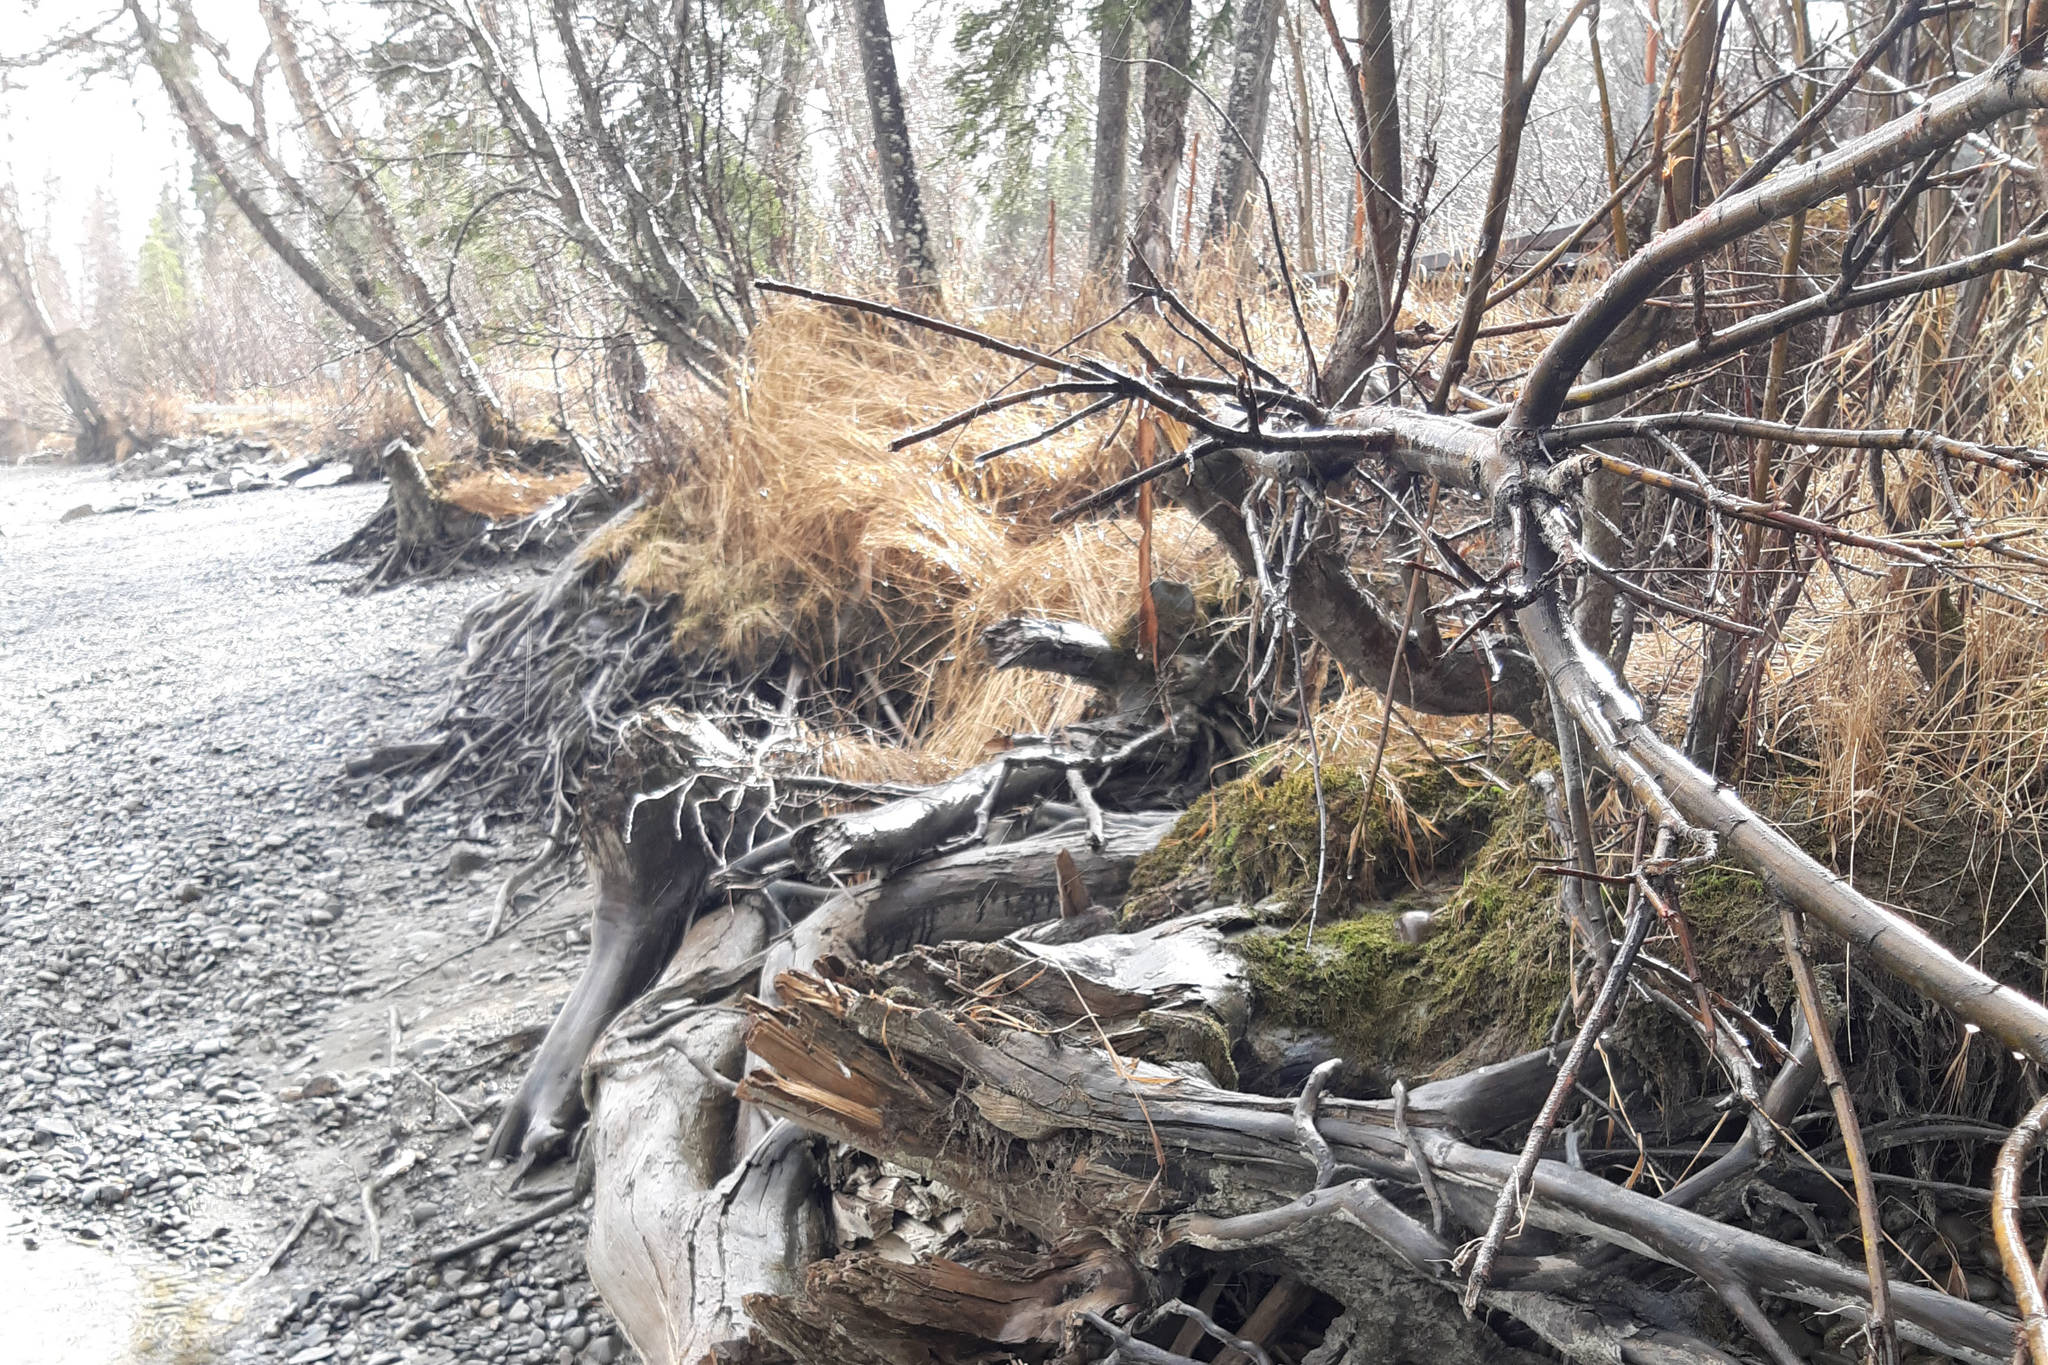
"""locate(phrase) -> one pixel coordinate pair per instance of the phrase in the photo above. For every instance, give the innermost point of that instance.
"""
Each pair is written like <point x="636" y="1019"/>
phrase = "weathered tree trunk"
<point x="699" y="1202"/>
<point x="1127" y="1140"/>
<point x="1169" y="41"/>
<point x="917" y="269"/>
<point x="1251" y="88"/>
<point x="427" y="525"/>
<point x="1109" y="184"/>
<point x="677" y="803"/>
<point x="684" y="1225"/>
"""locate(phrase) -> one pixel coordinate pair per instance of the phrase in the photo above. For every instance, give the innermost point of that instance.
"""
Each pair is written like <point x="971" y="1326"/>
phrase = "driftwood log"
<point x="684" y="1171"/>
<point x="684" y="797"/>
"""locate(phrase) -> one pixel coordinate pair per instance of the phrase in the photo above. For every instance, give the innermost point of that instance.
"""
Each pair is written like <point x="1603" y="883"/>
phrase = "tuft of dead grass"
<point x="784" y="518"/>
<point x="787" y="519"/>
<point x="501" y="494"/>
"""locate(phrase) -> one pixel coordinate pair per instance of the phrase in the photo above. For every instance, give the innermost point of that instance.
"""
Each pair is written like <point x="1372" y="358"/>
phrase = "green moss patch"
<point x="1257" y="838"/>
<point x="1485" y="986"/>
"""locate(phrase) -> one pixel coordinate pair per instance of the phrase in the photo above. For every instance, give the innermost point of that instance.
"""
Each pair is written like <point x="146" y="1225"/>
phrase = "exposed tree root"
<point x="420" y="532"/>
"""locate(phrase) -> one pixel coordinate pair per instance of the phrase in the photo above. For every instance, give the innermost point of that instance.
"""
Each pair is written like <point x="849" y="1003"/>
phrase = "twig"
<point x="1210" y="1326"/>
<point x="1130" y="1347"/>
<point x="291" y="1239"/>
<point x="568" y="1199"/>
<point x="1883" y="1333"/>
<point x="930" y="324"/>
<point x="1439" y="1218"/>
<point x="1319" y="1153"/>
<point x="2011" y="1238"/>
<point x="466" y="1118"/>
<point x="997" y="404"/>
<point x="1099" y="406"/>
<point x="397" y="1167"/>
<point x="1515" y="1191"/>
<point x="1102" y="497"/>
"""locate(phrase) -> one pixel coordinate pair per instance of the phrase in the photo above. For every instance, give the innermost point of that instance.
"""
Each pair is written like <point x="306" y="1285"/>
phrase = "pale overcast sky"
<point x="61" y="138"/>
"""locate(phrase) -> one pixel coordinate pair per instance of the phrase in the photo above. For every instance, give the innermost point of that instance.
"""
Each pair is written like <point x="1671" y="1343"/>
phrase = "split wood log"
<point x="679" y="1234"/>
<point x="1062" y="1136"/>
<point x="868" y="1308"/>
<point x="976" y="895"/>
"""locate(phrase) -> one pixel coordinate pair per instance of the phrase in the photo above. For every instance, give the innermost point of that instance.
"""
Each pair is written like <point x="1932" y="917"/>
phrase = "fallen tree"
<point x="696" y="811"/>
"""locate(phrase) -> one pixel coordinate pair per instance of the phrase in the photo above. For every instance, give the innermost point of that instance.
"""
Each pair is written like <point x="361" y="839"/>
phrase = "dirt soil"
<point x="208" y="958"/>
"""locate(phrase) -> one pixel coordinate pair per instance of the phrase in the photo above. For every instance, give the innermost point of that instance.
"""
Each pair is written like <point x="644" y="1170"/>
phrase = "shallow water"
<point x="78" y="1303"/>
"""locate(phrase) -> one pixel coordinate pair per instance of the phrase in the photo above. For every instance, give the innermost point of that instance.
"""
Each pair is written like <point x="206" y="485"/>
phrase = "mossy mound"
<point x="1484" y="986"/>
<point x="1490" y="979"/>
<point x="1258" y="837"/>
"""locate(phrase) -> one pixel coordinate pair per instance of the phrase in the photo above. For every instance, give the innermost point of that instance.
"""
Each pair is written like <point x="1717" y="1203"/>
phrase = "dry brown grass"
<point x="1846" y="713"/>
<point x="501" y="493"/>
<point x="787" y="518"/>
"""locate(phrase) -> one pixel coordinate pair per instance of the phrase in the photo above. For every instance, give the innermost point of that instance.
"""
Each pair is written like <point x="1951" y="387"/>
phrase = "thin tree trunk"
<point x="1251" y="86"/>
<point x="96" y="440"/>
<point x="1305" y="154"/>
<point x="1695" y="58"/>
<point x="1169" y="40"/>
<point x="1378" y="110"/>
<point x="917" y="270"/>
<point x="1379" y="80"/>
<point x="1593" y="612"/>
<point x="1514" y="117"/>
<point x="362" y="316"/>
<point x="779" y="134"/>
<point x="475" y="401"/>
<point x="1109" y="187"/>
